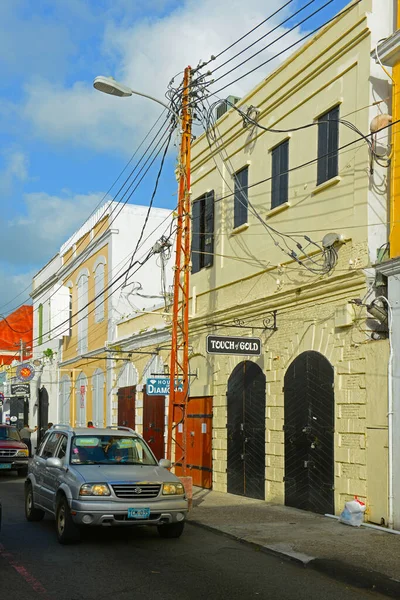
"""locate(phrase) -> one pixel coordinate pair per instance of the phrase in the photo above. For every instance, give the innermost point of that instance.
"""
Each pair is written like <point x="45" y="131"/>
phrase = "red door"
<point x="154" y="423"/>
<point x="199" y="442"/>
<point x="126" y="406"/>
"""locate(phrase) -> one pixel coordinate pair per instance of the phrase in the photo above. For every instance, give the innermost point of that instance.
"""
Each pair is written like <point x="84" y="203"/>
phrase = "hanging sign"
<point x="25" y="372"/>
<point x="83" y="391"/>
<point x="244" y="346"/>
<point x="20" y="389"/>
<point x="159" y="386"/>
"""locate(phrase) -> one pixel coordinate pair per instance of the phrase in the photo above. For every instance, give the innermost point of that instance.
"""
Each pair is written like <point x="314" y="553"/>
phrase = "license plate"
<point x="5" y="465"/>
<point x="138" y="513"/>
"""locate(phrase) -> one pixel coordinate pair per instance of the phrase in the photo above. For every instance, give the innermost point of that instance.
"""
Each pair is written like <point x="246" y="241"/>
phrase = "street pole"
<point x="179" y="367"/>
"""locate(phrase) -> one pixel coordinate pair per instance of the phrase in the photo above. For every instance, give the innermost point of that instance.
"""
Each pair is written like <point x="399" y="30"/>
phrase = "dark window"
<point x="280" y="175"/>
<point x="241" y="197"/>
<point x="62" y="449"/>
<point x="9" y="433"/>
<point x="203" y="232"/>
<point x="328" y="144"/>
<point x="50" y="446"/>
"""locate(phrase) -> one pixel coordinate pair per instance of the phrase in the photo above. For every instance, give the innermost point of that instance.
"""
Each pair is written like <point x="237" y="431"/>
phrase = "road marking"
<point x="30" y="579"/>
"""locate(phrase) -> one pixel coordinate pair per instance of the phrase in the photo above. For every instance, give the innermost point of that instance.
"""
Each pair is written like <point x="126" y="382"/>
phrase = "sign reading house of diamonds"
<point x="220" y="344"/>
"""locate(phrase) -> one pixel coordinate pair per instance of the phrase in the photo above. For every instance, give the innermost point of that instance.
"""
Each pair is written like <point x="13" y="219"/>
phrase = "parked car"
<point x="14" y="454"/>
<point x="109" y="477"/>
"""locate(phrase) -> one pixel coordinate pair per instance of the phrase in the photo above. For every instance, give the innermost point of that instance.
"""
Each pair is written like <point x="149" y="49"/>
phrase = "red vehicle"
<point x="14" y="454"/>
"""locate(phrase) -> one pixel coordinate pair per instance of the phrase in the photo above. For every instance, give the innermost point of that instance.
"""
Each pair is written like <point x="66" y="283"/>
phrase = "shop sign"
<point x="243" y="346"/>
<point x="25" y="372"/>
<point x="20" y="389"/>
<point x="159" y="386"/>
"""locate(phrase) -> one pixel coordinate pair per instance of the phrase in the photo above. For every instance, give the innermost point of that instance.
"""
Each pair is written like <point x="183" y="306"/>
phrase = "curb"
<point x="340" y="571"/>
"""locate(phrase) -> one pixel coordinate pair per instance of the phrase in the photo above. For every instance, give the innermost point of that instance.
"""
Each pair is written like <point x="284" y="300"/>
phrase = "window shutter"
<point x="276" y="169"/>
<point x="284" y="175"/>
<point x="333" y="143"/>
<point x="99" y="293"/>
<point x="323" y="128"/>
<point x="196" y="241"/>
<point x="209" y="230"/>
<point x="241" y="198"/>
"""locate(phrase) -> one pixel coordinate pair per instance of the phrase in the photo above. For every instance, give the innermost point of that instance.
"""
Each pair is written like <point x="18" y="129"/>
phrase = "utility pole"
<point x="21" y="350"/>
<point x="179" y="367"/>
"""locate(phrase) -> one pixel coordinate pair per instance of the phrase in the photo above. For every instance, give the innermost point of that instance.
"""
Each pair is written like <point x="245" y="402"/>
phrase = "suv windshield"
<point x="110" y="449"/>
<point x="9" y="433"/>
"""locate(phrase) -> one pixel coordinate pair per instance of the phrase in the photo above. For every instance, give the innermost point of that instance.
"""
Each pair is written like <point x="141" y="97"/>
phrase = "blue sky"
<point x="63" y="143"/>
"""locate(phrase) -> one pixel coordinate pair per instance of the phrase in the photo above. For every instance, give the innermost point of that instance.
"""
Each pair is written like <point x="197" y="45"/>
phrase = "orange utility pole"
<point x="179" y="367"/>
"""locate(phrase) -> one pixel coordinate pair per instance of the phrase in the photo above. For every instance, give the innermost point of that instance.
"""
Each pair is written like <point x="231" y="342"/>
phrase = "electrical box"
<point x="225" y="106"/>
<point x="344" y="315"/>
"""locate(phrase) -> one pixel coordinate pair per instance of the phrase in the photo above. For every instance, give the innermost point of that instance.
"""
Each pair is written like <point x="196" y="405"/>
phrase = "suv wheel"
<point x="31" y="513"/>
<point x="171" y="530"/>
<point x="67" y="531"/>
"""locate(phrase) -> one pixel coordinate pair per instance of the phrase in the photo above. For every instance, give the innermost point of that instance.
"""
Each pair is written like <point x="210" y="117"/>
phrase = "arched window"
<point x="99" y="271"/>
<point x="82" y="316"/>
<point x="81" y="387"/>
<point x="64" y="400"/>
<point x="98" y="398"/>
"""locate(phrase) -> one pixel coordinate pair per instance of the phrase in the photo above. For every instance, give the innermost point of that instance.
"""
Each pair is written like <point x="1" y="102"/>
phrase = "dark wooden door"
<point x="309" y="433"/>
<point x="126" y="406"/>
<point x="246" y="431"/>
<point x="154" y="423"/>
<point x="43" y="416"/>
<point x="198" y="441"/>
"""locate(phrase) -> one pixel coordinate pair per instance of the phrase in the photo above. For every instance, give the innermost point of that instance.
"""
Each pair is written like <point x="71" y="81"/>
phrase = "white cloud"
<point x="146" y="54"/>
<point x="15" y="169"/>
<point x="48" y="221"/>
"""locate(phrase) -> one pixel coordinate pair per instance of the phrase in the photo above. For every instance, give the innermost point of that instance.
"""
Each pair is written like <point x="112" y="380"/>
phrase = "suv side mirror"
<point x="54" y="463"/>
<point x="165" y="463"/>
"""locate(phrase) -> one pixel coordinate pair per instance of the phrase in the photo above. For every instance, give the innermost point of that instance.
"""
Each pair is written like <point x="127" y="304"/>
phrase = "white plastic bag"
<point x="353" y="513"/>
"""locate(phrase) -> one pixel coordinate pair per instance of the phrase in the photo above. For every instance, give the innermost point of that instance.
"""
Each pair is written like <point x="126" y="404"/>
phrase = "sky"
<point x="63" y="143"/>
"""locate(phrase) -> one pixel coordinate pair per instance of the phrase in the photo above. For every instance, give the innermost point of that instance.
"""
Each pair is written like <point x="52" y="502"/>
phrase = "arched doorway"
<point x="309" y="433"/>
<point x="246" y="431"/>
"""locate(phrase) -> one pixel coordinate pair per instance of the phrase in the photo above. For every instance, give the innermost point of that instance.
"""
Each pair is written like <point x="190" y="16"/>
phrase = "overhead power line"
<point x="302" y="39"/>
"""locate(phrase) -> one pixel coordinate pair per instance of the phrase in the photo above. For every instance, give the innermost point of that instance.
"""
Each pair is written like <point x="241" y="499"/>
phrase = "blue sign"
<point x="159" y="386"/>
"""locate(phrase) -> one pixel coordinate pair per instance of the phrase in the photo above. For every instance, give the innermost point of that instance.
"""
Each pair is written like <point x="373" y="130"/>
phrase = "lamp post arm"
<point x="158" y="102"/>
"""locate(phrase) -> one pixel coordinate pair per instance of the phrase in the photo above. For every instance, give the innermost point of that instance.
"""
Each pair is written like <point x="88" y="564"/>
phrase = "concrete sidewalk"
<point x="360" y="556"/>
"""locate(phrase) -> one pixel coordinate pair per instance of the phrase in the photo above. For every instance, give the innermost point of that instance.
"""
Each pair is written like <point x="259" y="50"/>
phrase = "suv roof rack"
<point x="123" y="428"/>
<point x="62" y="426"/>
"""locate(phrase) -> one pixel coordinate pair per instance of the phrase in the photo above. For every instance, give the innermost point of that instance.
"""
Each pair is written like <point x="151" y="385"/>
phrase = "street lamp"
<point x="108" y="85"/>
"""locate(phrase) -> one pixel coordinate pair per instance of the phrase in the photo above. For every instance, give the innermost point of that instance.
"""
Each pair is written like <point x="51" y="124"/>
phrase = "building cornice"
<point x="389" y="267"/>
<point x="388" y="51"/>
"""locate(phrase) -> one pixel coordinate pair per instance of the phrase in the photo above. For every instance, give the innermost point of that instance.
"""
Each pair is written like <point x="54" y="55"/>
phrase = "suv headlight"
<point x="170" y="489"/>
<point x="95" y="489"/>
<point x="22" y="453"/>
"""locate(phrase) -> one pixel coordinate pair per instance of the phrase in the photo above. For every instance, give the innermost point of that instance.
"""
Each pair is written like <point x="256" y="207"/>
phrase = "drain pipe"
<point x="390" y="411"/>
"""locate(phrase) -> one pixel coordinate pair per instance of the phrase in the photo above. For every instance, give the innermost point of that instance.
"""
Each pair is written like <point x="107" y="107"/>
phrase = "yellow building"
<point x="287" y="224"/>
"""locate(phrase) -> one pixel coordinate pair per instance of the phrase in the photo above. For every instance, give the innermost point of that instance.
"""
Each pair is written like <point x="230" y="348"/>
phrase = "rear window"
<point x="9" y="433"/>
<point x="110" y="449"/>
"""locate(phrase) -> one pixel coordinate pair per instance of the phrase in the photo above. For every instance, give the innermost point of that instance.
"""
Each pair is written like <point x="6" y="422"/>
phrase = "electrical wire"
<point x="100" y="202"/>
<point x="347" y="9"/>
<point x="152" y="196"/>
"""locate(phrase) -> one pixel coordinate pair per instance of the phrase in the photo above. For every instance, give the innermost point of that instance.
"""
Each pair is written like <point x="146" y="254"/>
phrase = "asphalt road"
<point x="128" y="564"/>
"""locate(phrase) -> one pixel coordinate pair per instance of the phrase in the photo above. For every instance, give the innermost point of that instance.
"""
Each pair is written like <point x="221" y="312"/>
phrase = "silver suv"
<point x="104" y="477"/>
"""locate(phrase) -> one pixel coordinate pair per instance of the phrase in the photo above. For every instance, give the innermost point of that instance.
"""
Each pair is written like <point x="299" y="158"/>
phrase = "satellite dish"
<point x="330" y="239"/>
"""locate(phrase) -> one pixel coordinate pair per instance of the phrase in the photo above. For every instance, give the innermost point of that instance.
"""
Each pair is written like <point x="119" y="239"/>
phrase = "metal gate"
<point x="246" y="431"/>
<point x="309" y="431"/>
<point x="199" y="441"/>
<point x="126" y="406"/>
<point x="154" y="423"/>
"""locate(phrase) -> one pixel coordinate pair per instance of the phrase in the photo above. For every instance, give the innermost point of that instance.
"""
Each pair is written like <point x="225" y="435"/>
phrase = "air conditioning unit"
<point x="225" y="106"/>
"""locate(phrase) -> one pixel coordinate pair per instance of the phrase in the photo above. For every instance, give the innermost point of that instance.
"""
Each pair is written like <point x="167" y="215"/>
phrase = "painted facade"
<point x="83" y="297"/>
<point x="327" y="353"/>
